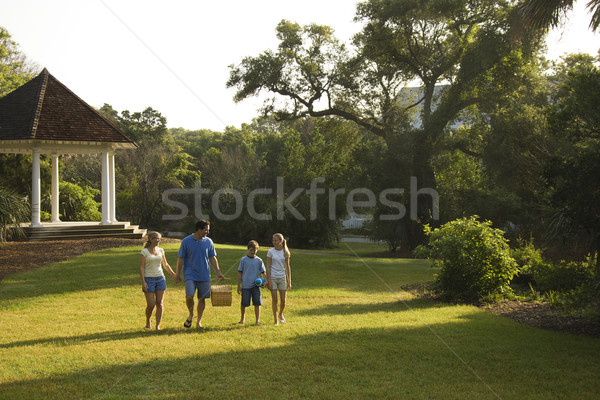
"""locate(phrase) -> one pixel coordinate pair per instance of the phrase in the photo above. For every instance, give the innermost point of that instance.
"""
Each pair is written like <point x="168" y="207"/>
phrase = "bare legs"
<point x="154" y="300"/>
<point x="282" y="295"/>
<point x="189" y="301"/>
<point x="256" y="314"/>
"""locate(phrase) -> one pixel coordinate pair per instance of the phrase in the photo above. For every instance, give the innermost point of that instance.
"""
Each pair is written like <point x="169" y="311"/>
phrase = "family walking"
<point x="196" y="256"/>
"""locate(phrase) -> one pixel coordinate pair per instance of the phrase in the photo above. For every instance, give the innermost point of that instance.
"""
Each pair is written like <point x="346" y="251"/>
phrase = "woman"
<point x="152" y="258"/>
<point x="279" y="274"/>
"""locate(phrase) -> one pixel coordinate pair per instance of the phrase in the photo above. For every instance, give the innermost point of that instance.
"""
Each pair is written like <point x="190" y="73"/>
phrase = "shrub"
<point x="13" y="211"/>
<point x="562" y="276"/>
<point x="473" y="257"/>
<point x="528" y="259"/>
<point x="77" y="203"/>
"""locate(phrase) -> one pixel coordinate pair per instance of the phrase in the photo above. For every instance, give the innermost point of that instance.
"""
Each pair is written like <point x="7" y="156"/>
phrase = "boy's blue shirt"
<point x="250" y="267"/>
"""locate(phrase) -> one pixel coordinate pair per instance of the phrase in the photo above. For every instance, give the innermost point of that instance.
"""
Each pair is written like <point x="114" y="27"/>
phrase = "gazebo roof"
<point x="44" y="113"/>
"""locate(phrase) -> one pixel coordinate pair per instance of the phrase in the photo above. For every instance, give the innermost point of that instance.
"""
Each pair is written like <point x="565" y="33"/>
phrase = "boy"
<point x="251" y="267"/>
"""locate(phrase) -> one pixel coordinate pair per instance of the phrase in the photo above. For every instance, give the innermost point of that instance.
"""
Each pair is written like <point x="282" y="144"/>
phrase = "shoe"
<point x="187" y="323"/>
<point x="281" y="319"/>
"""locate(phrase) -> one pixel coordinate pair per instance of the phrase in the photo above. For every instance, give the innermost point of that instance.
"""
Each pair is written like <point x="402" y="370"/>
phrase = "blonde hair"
<point x="149" y="236"/>
<point x="286" y="251"/>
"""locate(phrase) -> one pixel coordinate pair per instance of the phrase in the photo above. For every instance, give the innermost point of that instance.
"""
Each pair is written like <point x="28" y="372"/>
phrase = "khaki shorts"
<point x="278" y="284"/>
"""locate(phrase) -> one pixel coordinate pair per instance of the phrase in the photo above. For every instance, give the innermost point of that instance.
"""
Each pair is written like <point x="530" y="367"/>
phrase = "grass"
<point x="74" y="330"/>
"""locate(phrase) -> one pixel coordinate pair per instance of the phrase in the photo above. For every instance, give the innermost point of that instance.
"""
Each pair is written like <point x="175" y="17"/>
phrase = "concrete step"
<point x="82" y="230"/>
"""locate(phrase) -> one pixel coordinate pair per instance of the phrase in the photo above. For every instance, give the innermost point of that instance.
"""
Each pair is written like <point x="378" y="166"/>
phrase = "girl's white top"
<point x="277" y="263"/>
<point x="152" y="265"/>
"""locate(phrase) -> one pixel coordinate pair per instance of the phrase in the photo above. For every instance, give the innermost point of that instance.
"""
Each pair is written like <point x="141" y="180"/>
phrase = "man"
<point x="195" y="254"/>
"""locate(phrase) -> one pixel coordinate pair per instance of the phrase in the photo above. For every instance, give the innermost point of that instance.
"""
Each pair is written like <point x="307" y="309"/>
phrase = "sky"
<point x="174" y="55"/>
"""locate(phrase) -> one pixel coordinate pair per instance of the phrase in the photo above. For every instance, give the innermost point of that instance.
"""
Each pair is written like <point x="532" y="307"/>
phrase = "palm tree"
<point x="13" y="211"/>
<point x="546" y="14"/>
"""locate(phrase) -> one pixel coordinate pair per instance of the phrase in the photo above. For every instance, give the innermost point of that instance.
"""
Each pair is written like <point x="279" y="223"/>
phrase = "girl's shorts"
<point x="155" y="283"/>
<point x="278" y="284"/>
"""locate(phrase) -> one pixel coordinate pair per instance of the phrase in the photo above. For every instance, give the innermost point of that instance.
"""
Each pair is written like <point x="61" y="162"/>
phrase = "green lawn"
<point x="75" y="330"/>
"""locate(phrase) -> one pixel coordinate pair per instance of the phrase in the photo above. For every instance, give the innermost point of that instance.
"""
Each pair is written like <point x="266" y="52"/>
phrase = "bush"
<point x="77" y="203"/>
<point x="562" y="276"/>
<point x="528" y="259"/>
<point x="473" y="257"/>
<point x="14" y="210"/>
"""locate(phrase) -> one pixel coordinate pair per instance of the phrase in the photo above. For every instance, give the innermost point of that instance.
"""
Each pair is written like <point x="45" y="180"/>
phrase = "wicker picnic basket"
<point x="220" y="295"/>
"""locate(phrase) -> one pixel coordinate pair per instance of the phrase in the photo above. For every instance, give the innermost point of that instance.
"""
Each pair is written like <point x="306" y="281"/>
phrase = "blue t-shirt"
<point x="195" y="254"/>
<point x="250" y="269"/>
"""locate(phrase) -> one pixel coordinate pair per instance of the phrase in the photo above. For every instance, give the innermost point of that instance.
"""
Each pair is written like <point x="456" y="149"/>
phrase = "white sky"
<point x="173" y="55"/>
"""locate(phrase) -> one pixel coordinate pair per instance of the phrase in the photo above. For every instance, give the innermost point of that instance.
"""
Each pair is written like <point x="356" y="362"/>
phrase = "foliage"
<point x="473" y="257"/>
<point x="468" y="45"/>
<point x="14" y="210"/>
<point x="546" y="14"/>
<point x="78" y="203"/>
<point x="143" y="174"/>
<point x="572" y="170"/>
<point x="562" y="276"/>
<point x="15" y="70"/>
<point x="529" y="259"/>
<point x="280" y="159"/>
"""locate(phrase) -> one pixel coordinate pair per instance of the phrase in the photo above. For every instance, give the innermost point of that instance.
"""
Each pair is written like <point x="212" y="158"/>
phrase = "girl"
<point x="279" y="274"/>
<point x="154" y="285"/>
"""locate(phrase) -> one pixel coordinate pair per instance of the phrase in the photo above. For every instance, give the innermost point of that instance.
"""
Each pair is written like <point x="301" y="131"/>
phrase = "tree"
<point x="572" y="172"/>
<point x="465" y="44"/>
<point x="78" y="203"/>
<point x="143" y="174"/>
<point x="15" y="70"/>
<point x="546" y="14"/>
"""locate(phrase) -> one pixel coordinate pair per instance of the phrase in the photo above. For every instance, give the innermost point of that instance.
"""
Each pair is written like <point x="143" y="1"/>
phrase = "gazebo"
<point x="44" y="117"/>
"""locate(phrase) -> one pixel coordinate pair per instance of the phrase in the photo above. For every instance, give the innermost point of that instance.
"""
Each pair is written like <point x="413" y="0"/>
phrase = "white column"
<point x="36" y="188"/>
<point x="54" y="189"/>
<point x="111" y="184"/>
<point x="105" y="189"/>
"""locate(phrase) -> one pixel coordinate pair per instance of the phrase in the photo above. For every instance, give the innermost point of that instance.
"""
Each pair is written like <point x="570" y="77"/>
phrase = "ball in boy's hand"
<point x="259" y="282"/>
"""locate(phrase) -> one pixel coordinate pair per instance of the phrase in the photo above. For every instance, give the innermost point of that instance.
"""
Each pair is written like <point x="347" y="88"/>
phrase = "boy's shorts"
<point x="203" y="288"/>
<point x="278" y="284"/>
<point x="155" y="283"/>
<point x="253" y="293"/>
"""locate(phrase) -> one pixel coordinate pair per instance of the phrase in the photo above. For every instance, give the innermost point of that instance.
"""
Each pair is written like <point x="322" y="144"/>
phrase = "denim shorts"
<point x="155" y="283"/>
<point x="253" y="293"/>
<point x="203" y="288"/>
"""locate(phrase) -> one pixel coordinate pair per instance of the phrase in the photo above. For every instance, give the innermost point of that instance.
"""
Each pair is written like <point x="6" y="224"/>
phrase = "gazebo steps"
<point x="82" y="230"/>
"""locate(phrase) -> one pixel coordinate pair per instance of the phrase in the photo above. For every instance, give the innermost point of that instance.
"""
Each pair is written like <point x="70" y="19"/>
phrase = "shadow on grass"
<point x="356" y="363"/>
<point x="354" y="308"/>
<point x="63" y="341"/>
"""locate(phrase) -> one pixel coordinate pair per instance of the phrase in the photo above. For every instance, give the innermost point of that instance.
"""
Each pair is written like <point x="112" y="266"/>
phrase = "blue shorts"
<point x="203" y="288"/>
<point x="253" y="293"/>
<point x="155" y="283"/>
